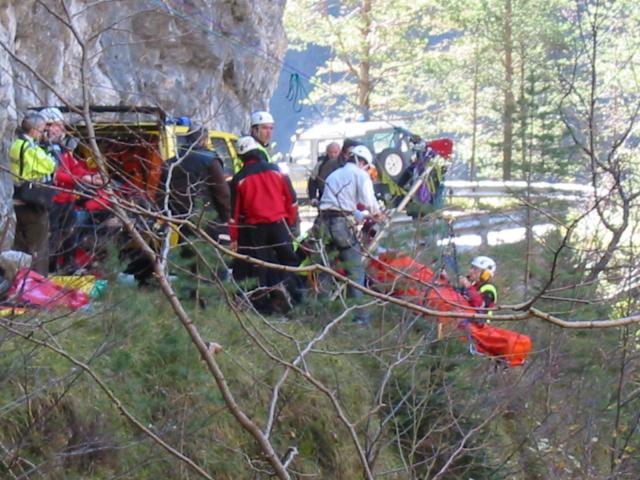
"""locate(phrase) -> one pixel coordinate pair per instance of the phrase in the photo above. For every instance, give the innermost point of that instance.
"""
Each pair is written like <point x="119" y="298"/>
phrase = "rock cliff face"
<point x="213" y="60"/>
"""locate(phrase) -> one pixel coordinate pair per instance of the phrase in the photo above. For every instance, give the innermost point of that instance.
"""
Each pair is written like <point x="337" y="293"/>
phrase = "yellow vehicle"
<point x="135" y="141"/>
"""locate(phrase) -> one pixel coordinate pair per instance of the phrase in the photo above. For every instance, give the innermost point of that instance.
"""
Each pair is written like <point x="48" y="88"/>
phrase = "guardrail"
<point x="495" y="188"/>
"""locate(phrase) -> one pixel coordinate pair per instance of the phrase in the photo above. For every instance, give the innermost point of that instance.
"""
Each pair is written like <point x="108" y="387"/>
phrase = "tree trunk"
<point x="364" y="80"/>
<point x="474" y="110"/>
<point x="526" y="164"/>
<point x="509" y="102"/>
<point x="324" y="8"/>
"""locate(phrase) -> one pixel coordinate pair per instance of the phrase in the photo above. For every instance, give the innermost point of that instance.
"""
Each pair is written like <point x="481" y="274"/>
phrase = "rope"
<point x="454" y="249"/>
<point x="473" y="350"/>
<point x="295" y="88"/>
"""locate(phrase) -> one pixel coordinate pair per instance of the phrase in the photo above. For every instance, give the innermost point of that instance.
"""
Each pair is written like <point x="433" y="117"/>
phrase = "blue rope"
<point x="295" y="89"/>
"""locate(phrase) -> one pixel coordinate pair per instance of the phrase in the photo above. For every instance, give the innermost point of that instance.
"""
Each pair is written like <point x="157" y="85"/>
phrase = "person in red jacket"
<point x="71" y="175"/>
<point x="263" y="211"/>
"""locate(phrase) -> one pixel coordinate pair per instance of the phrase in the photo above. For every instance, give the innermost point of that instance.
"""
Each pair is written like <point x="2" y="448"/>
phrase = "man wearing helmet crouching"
<point x="478" y="287"/>
<point x="347" y="192"/>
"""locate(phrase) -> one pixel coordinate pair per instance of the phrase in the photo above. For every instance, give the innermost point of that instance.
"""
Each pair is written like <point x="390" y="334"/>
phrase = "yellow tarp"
<point x="84" y="283"/>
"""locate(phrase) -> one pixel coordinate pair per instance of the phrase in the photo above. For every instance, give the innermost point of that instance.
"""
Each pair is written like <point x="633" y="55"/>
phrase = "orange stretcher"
<point x="400" y="275"/>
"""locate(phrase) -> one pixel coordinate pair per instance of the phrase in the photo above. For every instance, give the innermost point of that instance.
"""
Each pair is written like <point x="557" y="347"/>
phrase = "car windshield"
<point x="382" y="140"/>
<point x="377" y="141"/>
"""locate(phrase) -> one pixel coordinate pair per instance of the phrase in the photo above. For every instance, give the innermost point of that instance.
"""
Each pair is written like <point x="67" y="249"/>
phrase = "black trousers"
<point x="63" y="238"/>
<point x="272" y="242"/>
<point x="32" y="235"/>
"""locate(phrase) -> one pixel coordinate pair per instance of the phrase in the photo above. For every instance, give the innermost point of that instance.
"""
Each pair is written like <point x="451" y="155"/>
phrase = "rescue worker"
<point x="263" y="211"/>
<point x="325" y="165"/>
<point x="262" y="131"/>
<point x="348" y="191"/>
<point x="31" y="165"/>
<point x="477" y="286"/>
<point x="196" y="172"/>
<point x="55" y="118"/>
<point x="71" y="174"/>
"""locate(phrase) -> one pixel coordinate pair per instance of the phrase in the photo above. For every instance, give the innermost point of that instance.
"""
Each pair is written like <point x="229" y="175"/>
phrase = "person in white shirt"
<point x="349" y="190"/>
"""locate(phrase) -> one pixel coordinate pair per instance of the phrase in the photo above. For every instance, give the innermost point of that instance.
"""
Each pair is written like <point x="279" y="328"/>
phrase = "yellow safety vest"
<point x="489" y="287"/>
<point x="265" y="151"/>
<point x="37" y="164"/>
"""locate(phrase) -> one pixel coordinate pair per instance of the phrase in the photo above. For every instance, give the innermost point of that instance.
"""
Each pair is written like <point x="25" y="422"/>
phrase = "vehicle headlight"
<point x="284" y="167"/>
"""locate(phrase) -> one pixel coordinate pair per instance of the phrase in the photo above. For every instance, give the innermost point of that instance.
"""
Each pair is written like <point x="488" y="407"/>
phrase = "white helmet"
<point x="261" y="118"/>
<point x="363" y="153"/>
<point x="484" y="263"/>
<point x="52" y="115"/>
<point x="246" y="144"/>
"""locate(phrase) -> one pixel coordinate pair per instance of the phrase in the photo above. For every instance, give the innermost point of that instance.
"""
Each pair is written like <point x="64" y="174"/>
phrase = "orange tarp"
<point x="400" y="275"/>
<point x="512" y="347"/>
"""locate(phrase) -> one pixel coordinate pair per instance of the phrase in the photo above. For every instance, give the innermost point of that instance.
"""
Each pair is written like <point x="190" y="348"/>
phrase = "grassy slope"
<point x="552" y="419"/>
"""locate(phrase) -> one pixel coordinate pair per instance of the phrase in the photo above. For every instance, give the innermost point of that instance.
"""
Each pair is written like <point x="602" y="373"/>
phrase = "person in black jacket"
<point x="195" y="174"/>
<point x="326" y="164"/>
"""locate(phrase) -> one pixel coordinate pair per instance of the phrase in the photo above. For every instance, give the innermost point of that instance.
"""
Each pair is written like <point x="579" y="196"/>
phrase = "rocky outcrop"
<point x="209" y="59"/>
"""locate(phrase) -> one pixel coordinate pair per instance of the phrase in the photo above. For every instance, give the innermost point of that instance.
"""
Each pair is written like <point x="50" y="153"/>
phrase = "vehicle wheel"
<point x="393" y="162"/>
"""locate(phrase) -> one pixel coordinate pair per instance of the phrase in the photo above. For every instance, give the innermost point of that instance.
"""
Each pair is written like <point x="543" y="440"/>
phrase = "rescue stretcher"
<point x="402" y="276"/>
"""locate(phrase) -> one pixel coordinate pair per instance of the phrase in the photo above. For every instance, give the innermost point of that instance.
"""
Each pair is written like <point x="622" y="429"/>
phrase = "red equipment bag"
<point x="512" y="347"/>
<point x="31" y="288"/>
<point x="442" y="146"/>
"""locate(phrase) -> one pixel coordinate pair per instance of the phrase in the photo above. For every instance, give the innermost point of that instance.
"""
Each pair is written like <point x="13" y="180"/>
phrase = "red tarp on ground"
<point x="33" y="289"/>
<point x="512" y="347"/>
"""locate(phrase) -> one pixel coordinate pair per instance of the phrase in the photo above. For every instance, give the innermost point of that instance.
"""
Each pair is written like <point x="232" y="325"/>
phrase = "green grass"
<point x="134" y="342"/>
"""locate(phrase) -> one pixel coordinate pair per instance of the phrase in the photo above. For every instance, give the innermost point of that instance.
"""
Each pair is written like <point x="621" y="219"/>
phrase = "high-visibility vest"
<point x="264" y="150"/>
<point x="29" y="161"/>
<point x="490" y="288"/>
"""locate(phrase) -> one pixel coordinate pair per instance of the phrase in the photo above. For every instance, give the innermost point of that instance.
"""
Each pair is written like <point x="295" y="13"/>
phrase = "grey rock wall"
<point x="213" y="60"/>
